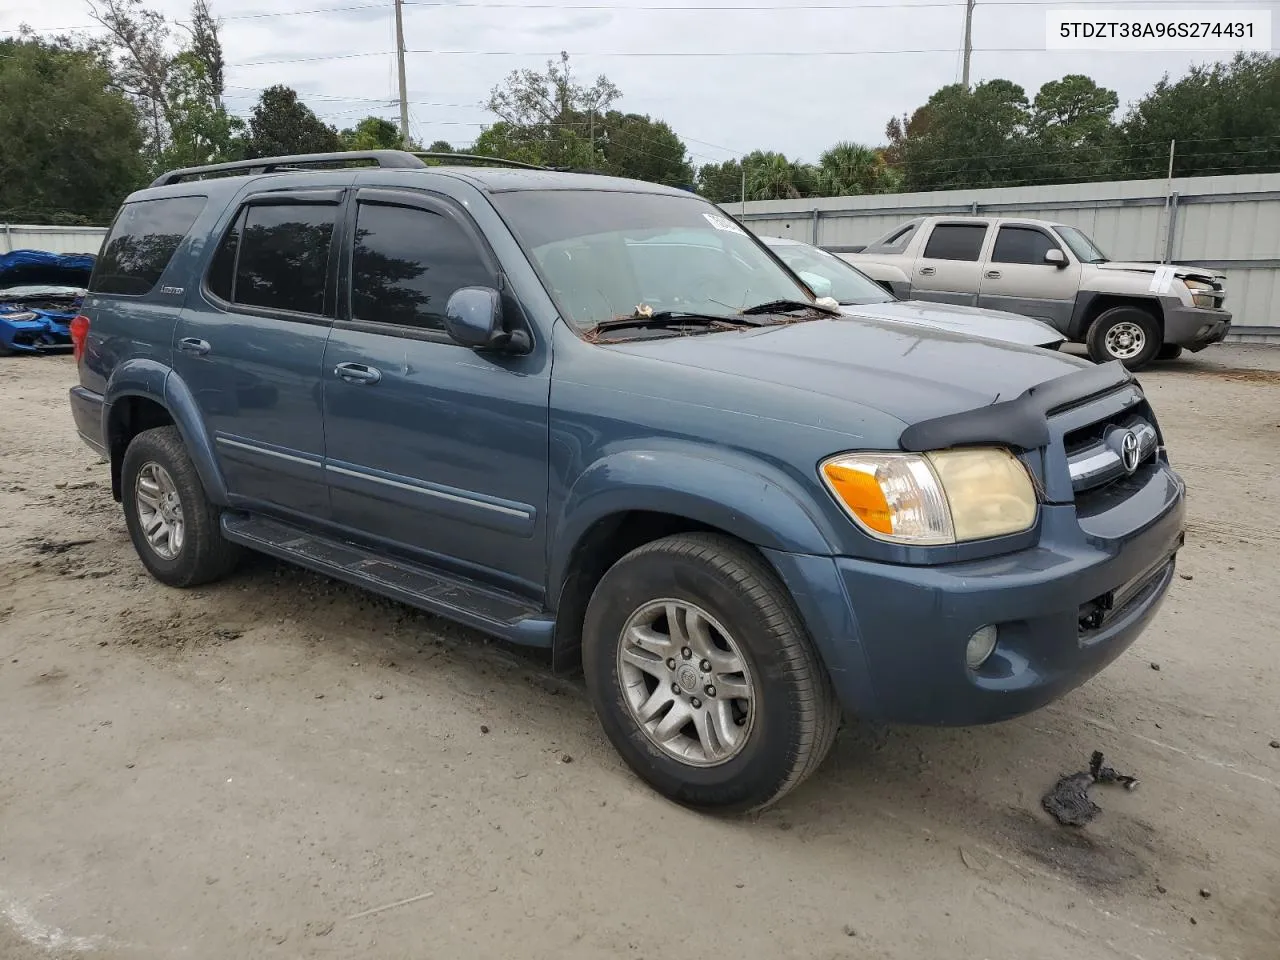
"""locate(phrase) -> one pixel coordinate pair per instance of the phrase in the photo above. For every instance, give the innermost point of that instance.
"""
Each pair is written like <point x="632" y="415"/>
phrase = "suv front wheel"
<point x="703" y="676"/>
<point x="173" y="525"/>
<point x="1128" y="334"/>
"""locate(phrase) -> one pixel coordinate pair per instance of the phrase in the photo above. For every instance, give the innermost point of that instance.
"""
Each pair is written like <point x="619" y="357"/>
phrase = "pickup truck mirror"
<point x="473" y="318"/>
<point x="1056" y="257"/>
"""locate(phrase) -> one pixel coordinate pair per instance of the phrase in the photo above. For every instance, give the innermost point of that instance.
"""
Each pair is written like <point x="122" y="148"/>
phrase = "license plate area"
<point x="1095" y="614"/>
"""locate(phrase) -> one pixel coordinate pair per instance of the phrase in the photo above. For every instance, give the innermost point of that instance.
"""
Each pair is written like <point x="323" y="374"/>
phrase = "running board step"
<point x="493" y="611"/>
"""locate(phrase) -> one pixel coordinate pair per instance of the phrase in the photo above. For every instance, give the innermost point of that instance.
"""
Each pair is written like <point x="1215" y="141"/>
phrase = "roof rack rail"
<point x="479" y="160"/>
<point x="386" y="159"/>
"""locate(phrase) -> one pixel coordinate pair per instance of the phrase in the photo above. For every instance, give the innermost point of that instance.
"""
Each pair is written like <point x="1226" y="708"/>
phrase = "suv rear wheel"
<point x="173" y="525"/>
<point x="1128" y="334"/>
<point x="703" y="676"/>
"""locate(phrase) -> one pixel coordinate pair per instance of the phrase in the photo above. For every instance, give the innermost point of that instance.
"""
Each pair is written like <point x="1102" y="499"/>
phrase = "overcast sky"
<point x="721" y="105"/>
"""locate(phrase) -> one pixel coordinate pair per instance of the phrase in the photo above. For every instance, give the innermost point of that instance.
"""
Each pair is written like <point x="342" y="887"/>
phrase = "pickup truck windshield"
<point x="608" y="255"/>
<point x="1081" y="245"/>
<point x="848" y="285"/>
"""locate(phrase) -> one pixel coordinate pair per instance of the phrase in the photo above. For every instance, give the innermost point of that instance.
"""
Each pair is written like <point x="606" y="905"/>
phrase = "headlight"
<point x="948" y="496"/>
<point x="25" y="315"/>
<point x="1201" y="293"/>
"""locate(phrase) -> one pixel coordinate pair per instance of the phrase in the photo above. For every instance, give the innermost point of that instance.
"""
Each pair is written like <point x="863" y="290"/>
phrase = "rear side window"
<point x="143" y="240"/>
<point x="1021" y="245"/>
<point x="276" y="257"/>
<point x="406" y="263"/>
<point x="955" y="241"/>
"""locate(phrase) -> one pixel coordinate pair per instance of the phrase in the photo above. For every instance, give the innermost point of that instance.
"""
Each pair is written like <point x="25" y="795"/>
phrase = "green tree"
<point x="441" y="146"/>
<point x="372" y="133"/>
<point x="281" y="124"/>
<point x="965" y="138"/>
<point x="720" y="182"/>
<point x="1224" y="116"/>
<point x="72" y="142"/>
<point x="200" y="128"/>
<point x="1072" y="131"/>
<point x="849" y="169"/>
<point x="640" y="147"/>
<point x="544" y="117"/>
<point x="771" y="176"/>
<point x="177" y="92"/>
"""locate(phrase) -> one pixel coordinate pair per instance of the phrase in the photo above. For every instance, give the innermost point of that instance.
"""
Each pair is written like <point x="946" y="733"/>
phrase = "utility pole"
<point x="404" y="96"/>
<point x="968" y="40"/>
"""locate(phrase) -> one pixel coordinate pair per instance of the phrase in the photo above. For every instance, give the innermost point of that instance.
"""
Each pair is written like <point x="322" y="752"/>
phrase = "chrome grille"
<point x="1100" y="457"/>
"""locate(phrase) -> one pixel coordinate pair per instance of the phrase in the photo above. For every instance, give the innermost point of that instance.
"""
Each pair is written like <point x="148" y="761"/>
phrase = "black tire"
<point x="795" y="714"/>
<point x="204" y="556"/>
<point x="1109" y="320"/>
<point x="1169" y="351"/>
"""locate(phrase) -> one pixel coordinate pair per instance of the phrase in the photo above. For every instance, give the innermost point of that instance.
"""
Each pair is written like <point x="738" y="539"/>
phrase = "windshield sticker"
<point x="722" y="223"/>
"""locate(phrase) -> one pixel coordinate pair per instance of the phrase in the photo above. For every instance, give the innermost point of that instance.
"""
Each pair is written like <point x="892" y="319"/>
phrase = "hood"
<point x="20" y="267"/>
<point x="1181" y="272"/>
<point x="911" y="373"/>
<point x="974" y="321"/>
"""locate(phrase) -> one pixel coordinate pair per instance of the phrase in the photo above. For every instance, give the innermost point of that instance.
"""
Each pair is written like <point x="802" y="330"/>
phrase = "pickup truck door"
<point x="949" y="268"/>
<point x="1016" y="277"/>
<point x="434" y="450"/>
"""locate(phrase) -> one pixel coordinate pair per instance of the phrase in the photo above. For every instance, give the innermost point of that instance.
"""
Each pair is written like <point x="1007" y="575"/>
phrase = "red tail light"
<point x="79" y="335"/>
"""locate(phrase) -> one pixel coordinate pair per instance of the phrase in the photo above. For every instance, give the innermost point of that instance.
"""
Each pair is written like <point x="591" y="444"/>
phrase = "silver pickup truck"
<point x="1131" y="312"/>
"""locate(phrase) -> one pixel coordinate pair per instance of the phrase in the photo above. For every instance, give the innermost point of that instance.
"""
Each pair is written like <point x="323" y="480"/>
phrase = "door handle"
<point x="357" y="373"/>
<point x="194" y="346"/>
<point x="992" y="274"/>
<point x="927" y="271"/>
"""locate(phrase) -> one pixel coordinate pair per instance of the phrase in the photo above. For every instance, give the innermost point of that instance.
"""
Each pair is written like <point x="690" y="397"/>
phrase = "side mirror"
<point x="473" y="318"/>
<point x="1056" y="257"/>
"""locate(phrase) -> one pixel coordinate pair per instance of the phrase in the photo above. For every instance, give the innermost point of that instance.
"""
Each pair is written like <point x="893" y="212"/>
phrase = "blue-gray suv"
<point x="518" y="398"/>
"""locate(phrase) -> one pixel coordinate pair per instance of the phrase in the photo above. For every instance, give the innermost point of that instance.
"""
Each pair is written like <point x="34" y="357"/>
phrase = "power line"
<point x="613" y="55"/>
<point x="649" y="8"/>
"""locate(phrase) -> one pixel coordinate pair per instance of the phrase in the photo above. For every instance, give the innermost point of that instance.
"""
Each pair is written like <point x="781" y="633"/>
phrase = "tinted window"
<point x="955" y="241"/>
<point x="143" y="240"/>
<point x="407" y="263"/>
<point x="896" y="241"/>
<point x="1021" y="245"/>
<point x="283" y="258"/>
<point x="223" y="269"/>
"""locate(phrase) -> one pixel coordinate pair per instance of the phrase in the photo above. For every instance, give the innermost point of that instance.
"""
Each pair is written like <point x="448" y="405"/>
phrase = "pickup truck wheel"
<point x="173" y="525"/>
<point x="703" y="676"/>
<point x="1128" y="334"/>
<point x="1170" y="351"/>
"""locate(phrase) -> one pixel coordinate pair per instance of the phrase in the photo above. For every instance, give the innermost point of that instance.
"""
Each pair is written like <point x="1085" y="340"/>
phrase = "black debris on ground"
<point x="1069" y="802"/>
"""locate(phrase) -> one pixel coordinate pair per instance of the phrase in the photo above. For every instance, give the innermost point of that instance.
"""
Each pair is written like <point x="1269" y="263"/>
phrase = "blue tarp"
<point x="23" y="267"/>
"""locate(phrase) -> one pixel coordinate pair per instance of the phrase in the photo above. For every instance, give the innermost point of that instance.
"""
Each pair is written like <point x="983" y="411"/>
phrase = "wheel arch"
<point x="636" y="497"/>
<point x="1091" y="304"/>
<point x="143" y="394"/>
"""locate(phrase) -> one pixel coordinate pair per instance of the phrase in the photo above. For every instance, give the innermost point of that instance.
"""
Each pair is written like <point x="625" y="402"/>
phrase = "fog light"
<point x="981" y="645"/>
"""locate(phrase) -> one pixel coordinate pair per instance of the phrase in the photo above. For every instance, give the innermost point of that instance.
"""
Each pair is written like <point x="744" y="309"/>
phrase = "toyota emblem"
<point x="1129" y="451"/>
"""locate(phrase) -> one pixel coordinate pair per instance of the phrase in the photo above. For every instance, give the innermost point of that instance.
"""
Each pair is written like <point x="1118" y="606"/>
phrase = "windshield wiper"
<point x="782" y="306"/>
<point x="676" y="318"/>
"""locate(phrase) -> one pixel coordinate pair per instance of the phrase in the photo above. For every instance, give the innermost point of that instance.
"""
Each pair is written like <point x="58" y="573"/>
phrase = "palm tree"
<point x="848" y="169"/>
<point x="771" y="176"/>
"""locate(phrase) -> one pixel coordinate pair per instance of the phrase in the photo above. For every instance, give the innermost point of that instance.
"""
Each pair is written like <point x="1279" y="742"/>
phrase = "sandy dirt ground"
<point x="281" y="766"/>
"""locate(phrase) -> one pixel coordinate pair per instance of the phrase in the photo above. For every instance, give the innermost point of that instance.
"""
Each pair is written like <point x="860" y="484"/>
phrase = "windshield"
<point x="611" y="254"/>
<point x="1084" y="248"/>
<point x="829" y="276"/>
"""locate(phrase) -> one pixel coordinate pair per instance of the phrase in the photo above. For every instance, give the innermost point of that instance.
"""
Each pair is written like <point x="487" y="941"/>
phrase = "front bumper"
<point x="893" y="637"/>
<point x="1195" y="327"/>
<point x="86" y="410"/>
<point x="42" y="335"/>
